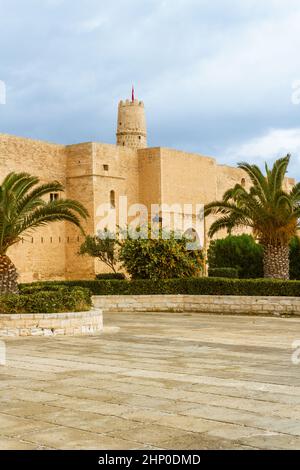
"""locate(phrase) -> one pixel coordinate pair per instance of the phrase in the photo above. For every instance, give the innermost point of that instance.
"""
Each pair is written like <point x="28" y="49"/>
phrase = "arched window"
<point x="112" y="199"/>
<point x="243" y="182"/>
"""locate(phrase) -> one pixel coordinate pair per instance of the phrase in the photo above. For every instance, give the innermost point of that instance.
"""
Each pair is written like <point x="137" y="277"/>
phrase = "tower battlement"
<point x="131" y="103"/>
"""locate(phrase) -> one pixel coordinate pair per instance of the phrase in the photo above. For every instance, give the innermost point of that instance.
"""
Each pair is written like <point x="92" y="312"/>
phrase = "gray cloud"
<point x="215" y="76"/>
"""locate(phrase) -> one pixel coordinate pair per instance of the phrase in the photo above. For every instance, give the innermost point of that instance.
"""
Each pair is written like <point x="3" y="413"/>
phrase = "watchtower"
<point x="131" y="129"/>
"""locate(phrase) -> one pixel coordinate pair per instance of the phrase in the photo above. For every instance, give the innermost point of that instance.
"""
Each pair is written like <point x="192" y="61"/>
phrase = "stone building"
<point x="96" y="174"/>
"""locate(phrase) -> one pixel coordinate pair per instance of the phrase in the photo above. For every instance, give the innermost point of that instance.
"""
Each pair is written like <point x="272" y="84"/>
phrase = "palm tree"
<point x="272" y="213"/>
<point x="22" y="209"/>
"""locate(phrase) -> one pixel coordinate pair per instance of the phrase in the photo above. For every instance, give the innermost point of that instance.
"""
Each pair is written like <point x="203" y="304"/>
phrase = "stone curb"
<point x="51" y="324"/>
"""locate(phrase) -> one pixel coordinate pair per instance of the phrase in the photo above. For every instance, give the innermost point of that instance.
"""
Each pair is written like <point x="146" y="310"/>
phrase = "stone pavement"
<point x="155" y="381"/>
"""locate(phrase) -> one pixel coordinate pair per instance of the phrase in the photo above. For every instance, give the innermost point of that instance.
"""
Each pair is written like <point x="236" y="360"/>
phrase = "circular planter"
<point x="51" y="324"/>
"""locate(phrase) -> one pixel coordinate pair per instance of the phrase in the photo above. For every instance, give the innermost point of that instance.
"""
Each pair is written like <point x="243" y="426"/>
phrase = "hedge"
<point x="196" y="286"/>
<point x="105" y="276"/>
<point x="36" y="299"/>
<point x="232" y="273"/>
<point x="37" y="287"/>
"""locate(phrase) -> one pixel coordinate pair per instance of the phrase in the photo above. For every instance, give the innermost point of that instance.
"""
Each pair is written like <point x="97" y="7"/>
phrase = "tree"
<point x="163" y="257"/>
<point x="102" y="246"/>
<point x="266" y="208"/>
<point x="240" y="252"/>
<point x="23" y="209"/>
<point x="295" y="258"/>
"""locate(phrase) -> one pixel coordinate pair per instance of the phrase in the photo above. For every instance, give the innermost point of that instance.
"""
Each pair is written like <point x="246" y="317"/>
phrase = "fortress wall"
<point x="175" y="177"/>
<point x="90" y="171"/>
<point x="121" y="175"/>
<point x="35" y="253"/>
<point x="150" y="177"/>
<point x="93" y="171"/>
<point x="46" y="160"/>
<point x="80" y="186"/>
<point x="187" y="177"/>
<point x="227" y="177"/>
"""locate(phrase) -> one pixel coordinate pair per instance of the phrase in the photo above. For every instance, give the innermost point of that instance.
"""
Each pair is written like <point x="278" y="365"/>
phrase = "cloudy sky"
<point x="220" y="77"/>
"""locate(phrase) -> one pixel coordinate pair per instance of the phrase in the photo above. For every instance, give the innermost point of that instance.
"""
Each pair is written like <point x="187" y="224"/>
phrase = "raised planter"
<point x="51" y="324"/>
<point x="220" y="304"/>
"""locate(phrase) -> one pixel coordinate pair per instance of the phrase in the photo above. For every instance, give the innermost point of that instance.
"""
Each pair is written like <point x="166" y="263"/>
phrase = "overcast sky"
<point x="216" y="76"/>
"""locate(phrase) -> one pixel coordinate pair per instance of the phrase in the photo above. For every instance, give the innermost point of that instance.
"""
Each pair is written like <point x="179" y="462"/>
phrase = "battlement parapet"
<point x="131" y="103"/>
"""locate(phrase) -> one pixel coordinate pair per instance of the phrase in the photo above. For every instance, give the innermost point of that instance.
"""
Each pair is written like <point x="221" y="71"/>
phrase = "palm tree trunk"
<point x="276" y="261"/>
<point x="8" y="276"/>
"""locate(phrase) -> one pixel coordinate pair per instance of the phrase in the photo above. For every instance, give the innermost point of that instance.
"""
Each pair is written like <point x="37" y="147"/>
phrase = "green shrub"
<point x="36" y="287"/>
<point x="223" y="272"/>
<point x="104" y="246"/>
<point x="119" y="276"/>
<point x="239" y="252"/>
<point x="196" y="286"/>
<point x="295" y="258"/>
<point x="46" y="299"/>
<point x="162" y="257"/>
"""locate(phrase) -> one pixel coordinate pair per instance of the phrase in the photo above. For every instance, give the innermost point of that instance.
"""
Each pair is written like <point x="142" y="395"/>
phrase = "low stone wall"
<point x="221" y="304"/>
<point x="51" y="324"/>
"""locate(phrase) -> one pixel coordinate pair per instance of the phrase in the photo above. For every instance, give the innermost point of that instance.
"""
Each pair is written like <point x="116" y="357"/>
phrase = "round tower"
<point x="132" y="130"/>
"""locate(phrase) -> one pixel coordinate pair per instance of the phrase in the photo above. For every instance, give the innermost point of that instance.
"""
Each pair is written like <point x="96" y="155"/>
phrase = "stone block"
<point x="36" y="332"/>
<point x="47" y="332"/>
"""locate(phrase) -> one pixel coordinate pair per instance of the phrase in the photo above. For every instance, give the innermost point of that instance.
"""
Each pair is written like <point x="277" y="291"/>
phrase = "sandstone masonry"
<point x="96" y="173"/>
<point x="219" y="304"/>
<point x="51" y="324"/>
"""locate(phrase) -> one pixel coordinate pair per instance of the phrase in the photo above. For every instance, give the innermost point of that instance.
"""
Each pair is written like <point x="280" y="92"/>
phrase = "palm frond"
<point x="34" y="198"/>
<point x="227" y="222"/>
<point x="270" y="211"/>
<point x="23" y="207"/>
<point x="295" y="193"/>
<point x="278" y="173"/>
<point x="258" y="179"/>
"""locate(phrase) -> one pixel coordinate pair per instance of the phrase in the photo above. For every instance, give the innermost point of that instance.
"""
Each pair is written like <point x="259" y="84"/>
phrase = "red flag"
<point x="132" y="94"/>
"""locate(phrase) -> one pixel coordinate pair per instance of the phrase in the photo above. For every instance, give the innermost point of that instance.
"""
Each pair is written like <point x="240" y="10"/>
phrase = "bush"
<point x="36" y="287"/>
<point x="103" y="246"/>
<point x="239" y="252"/>
<point x="119" y="276"/>
<point x="295" y="258"/>
<point x="46" y="299"/>
<point x="192" y="286"/>
<point x="164" y="257"/>
<point x="223" y="272"/>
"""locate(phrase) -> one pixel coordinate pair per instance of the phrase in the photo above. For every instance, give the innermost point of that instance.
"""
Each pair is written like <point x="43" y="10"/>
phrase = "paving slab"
<point x="155" y="381"/>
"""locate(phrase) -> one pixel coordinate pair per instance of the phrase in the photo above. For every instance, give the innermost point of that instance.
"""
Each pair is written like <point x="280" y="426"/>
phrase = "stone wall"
<point x="35" y="253"/>
<point x="91" y="173"/>
<point x="80" y="186"/>
<point x="115" y="171"/>
<point x="239" y="305"/>
<point x="149" y="161"/>
<point x="51" y="324"/>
